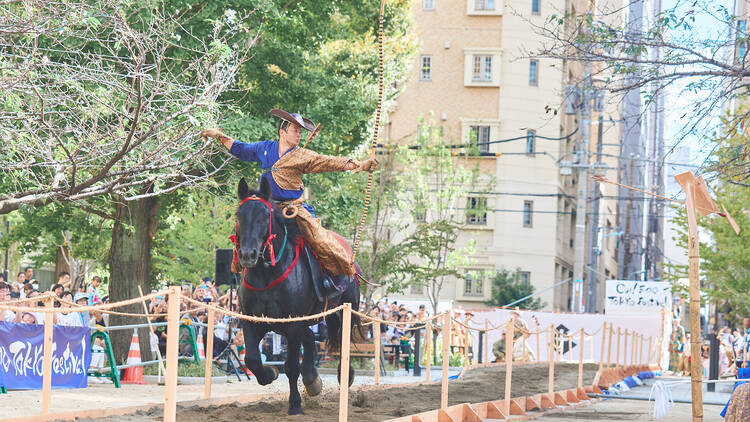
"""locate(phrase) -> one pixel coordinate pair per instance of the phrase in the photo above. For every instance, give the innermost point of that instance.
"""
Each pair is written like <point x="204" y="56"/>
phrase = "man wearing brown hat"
<point x="283" y="163"/>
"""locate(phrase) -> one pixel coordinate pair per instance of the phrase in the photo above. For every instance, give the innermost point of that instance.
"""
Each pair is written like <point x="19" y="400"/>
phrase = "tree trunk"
<point x="130" y="267"/>
<point x="61" y="263"/>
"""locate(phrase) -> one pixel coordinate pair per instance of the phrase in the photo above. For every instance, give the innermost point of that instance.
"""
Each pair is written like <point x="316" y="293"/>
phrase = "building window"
<point x="474" y="283"/>
<point x="528" y="209"/>
<point x="416" y="289"/>
<point x="530" y="141"/>
<point x="484" y="4"/>
<point x="480" y="137"/>
<point x="535" y="6"/>
<point x="524" y="277"/>
<point x="482" y="69"/>
<point x="428" y="4"/>
<point x="533" y="72"/>
<point x="476" y="211"/>
<point x="425" y="73"/>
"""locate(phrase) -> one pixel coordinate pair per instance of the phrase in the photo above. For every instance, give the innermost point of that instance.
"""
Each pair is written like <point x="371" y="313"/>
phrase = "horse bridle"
<point x="271" y="235"/>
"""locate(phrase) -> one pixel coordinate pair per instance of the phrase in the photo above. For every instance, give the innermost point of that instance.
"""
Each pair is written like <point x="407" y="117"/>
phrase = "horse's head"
<point x="253" y="223"/>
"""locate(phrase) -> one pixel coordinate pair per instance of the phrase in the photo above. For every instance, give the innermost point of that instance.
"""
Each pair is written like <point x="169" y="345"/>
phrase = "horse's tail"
<point x="334" y="321"/>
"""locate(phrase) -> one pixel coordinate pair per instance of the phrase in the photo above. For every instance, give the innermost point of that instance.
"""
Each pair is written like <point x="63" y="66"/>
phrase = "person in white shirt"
<point x="6" y="314"/>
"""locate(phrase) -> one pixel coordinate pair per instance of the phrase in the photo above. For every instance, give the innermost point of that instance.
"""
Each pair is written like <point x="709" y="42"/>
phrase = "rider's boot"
<point x="335" y="284"/>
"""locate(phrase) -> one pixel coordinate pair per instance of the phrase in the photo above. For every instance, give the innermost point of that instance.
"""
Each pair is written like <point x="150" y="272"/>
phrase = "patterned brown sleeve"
<point x="318" y="163"/>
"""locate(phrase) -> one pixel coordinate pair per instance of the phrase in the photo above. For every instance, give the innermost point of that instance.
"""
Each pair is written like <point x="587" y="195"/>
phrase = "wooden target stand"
<point x="697" y="199"/>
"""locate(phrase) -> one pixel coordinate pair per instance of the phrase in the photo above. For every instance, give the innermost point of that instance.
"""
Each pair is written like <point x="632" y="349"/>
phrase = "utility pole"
<point x="594" y="249"/>
<point x="655" y="222"/>
<point x="582" y="193"/>
<point x="630" y="212"/>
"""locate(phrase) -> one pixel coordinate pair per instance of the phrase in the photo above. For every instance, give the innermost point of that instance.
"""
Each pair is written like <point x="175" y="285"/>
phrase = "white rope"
<point x="663" y="400"/>
<point x="662" y="394"/>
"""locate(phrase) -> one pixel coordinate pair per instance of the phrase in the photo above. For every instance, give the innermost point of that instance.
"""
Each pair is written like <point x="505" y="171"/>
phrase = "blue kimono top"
<point x="284" y="173"/>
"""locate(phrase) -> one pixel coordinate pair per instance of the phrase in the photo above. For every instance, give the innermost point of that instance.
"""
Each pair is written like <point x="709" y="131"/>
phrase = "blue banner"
<point x="22" y="353"/>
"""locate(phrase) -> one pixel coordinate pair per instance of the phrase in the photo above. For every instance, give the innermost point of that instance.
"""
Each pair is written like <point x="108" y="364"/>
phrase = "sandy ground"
<point x="482" y="384"/>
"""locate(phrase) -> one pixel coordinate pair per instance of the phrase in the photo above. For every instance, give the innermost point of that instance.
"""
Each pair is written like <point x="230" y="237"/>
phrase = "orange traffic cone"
<point x="133" y="374"/>
<point x="201" y="350"/>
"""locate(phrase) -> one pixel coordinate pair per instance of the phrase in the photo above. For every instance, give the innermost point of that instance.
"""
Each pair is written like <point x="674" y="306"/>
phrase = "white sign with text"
<point x="628" y="296"/>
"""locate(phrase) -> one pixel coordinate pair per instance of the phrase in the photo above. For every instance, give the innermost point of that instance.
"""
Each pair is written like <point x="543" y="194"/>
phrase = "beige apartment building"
<point x="472" y="74"/>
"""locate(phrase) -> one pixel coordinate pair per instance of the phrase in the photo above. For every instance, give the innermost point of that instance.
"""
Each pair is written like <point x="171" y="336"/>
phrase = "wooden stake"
<point x="538" y="341"/>
<point x="173" y="334"/>
<point x="467" y="360"/>
<point x="509" y="328"/>
<point x="346" y="334"/>
<point x="209" y="354"/>
<point x="486" y="341"/>
<point x="580" y="363"/>
<point x="640" y="349"/>
<point x="625" y="348"/>
<point x="428" y="350"/>
<point x="150" y="333"/>
<point x="378" y="345"/>
<point x="47" y="362"/>
<point x="446" y="358"/>
<point x="609" y="348"/>
<point x="570" y="347"/>
<point x="648" y="358"/>
<point x="695" y="304"/>
<point x="551" y="390"/>
<point x="617" y="358"/>
<point x="604" y="337"/>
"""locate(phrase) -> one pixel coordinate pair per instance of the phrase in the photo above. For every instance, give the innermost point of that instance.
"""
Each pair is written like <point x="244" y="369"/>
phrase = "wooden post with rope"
<point x="467" y="359"/>
<point x="346" y="334"/>
<point x="509" y="328"/>
<point x="538" y="345"/>
<point x="47" y="362"/>
<point x="617" y="356"/>
<point x="604" y="337"/>
<point x="173" y="334"/>
<point x="551" y="348"/>
<point x="580" y="363"/>
<point x="486" y="340"/>
<point x="609" y="348"/>
<point x="648" y="358"/>
<point x="209" y="354"/>
<point x="446" y="359"/>
<point x="625" y="348"/>
<point x="378" y="345"/>
<point x="428" y="350"/>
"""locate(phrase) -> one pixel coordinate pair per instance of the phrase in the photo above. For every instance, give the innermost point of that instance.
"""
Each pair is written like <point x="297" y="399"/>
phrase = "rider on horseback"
<point x="283" y="162"/>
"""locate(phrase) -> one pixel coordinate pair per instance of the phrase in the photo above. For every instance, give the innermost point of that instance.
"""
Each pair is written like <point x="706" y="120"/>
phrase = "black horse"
<point x="277" y="283"/>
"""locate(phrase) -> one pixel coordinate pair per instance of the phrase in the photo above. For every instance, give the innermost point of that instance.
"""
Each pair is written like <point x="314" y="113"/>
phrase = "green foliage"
<point x="507" y="287"/>
<point x="39" y="232"/>
<point x="435" y="191"/>
<point x="188" y="236"/>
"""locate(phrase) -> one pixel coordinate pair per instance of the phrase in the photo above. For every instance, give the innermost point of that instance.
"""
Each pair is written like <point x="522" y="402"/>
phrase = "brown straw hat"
<point x="293" y="118"/>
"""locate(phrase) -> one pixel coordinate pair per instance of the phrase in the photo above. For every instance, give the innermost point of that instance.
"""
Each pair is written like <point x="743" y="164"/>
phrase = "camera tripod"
<point x="232" y="360"/>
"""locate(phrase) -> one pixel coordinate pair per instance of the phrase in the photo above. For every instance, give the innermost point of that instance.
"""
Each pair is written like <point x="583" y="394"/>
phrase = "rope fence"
<point x="444" y="322"/>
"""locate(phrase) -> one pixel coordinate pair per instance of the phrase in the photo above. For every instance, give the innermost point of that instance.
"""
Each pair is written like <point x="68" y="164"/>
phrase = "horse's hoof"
<point x="314" y="388"/>
<point x="297" y="410"/>
<point x="274" y="370"/>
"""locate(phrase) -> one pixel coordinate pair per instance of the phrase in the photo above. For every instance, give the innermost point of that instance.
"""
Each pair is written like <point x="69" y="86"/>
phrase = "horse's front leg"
<point x="310" y="377"/>
<point x="292" y="369"/>
<point x="253" y="333"/>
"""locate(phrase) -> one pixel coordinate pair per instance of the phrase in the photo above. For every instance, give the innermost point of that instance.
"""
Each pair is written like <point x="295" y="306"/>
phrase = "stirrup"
<point x="329" y="286"/>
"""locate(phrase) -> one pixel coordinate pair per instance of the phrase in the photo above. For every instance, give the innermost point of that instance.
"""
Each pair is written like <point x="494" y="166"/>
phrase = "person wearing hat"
<point x="283" y="163"/>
